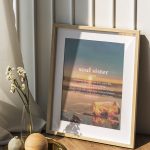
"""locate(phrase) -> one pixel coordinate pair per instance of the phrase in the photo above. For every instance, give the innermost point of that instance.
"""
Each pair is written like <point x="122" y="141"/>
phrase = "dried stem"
<point x="27" y="88"/>
<point x="26" y="106"/>
<point x="18" y="86"/>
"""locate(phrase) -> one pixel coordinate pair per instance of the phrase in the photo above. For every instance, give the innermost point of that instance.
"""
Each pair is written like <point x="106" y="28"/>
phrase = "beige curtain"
<point x="10" y="54"/>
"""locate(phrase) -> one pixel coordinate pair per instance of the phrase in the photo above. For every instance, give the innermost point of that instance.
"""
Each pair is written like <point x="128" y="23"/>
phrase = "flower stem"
<point x="27" y="87"/>
<point x="17" y="85"/>
<point x="22" y="99"/>
<point x="31" y="123"/>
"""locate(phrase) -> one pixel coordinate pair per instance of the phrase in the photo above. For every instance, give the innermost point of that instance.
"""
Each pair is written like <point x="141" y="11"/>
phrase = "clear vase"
<point x="26" y="122"/>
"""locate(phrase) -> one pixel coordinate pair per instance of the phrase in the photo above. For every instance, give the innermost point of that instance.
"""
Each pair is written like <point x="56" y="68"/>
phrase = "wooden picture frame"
<point x="110" y="119"/>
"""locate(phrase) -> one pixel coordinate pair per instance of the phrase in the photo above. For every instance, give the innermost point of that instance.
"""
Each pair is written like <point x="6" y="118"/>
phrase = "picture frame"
<point x="93" y="84"/>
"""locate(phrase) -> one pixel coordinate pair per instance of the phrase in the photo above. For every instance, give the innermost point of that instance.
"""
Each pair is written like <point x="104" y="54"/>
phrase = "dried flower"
<point x="22" y="79"/>
<point x="21" y="72"/>
<point x="18" y="83"/>
<point x="9" y="69"/>
<point x="23" y="86"/>
<point x="9" y="74"/>
<point x="10" y="77"/>
<point x="12" y="88"/>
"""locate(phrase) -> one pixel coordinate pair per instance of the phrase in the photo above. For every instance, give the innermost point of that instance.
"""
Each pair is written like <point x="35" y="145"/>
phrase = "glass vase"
<point x="26" y="122"/>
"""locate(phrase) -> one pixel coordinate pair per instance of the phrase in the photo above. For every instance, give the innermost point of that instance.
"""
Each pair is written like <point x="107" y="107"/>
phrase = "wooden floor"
<point x="142" y="143"/>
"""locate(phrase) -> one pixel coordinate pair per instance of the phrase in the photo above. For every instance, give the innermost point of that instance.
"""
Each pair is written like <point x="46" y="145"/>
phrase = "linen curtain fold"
<point x="10" y="54"/>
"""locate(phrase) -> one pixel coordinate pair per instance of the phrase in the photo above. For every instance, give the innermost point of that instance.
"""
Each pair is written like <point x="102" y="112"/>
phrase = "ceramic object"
<point x="36" y="141"/>
<point x="15" y="144"/>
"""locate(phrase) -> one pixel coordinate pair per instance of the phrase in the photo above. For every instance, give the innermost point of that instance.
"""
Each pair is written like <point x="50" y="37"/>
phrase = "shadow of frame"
<point x="143" y="99"/>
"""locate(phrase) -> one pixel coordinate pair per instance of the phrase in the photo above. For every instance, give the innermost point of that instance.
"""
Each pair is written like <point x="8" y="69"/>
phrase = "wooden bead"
<point x="36" y="141"/>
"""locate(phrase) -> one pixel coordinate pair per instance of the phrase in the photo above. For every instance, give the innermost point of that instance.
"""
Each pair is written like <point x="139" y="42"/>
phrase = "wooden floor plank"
<point x="142" y="143"/>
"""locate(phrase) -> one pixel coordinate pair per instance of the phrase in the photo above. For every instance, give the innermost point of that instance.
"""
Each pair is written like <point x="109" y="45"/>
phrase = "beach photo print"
<point x="92" y="82"/>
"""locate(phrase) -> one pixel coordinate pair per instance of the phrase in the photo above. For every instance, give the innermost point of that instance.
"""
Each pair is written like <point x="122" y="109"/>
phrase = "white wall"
<point x="106" y="14"/>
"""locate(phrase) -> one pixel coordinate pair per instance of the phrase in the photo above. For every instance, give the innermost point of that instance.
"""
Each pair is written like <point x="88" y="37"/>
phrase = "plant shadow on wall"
<point x="143" y="100"/>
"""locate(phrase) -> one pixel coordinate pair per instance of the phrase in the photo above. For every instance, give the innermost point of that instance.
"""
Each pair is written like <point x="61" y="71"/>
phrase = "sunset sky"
<point x="99" y="55"/>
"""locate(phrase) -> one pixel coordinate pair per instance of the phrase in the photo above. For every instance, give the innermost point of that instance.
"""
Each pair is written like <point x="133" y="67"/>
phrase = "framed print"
<point x="93" y="84"/>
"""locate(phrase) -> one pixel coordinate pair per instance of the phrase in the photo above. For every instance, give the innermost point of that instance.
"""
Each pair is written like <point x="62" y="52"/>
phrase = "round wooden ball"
<point x="36" y="141"/>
